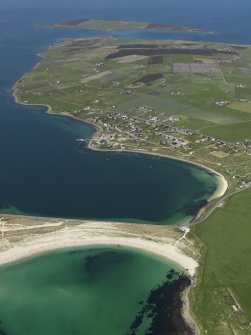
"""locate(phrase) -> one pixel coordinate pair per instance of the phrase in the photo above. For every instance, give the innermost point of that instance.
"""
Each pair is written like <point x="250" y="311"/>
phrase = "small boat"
<point x="83" y="140"/>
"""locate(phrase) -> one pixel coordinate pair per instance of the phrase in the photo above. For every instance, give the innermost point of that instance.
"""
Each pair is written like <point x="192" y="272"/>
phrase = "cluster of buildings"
<point x="121" y="127"/>
<point x="143" y="126"/>
<point x="178" y="93"/>
<point x="222" y="103"/>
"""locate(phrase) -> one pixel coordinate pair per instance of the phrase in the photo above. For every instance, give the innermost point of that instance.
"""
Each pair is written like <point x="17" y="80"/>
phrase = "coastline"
<point x="49" y="109"/>
<point x="221" y="189"/>
<point x="222" y="184"/>
<point x="186" y="311"/>
<point x="25" y="237"/>
<point x="87" y="233"/>
<point x="169" y="251"/>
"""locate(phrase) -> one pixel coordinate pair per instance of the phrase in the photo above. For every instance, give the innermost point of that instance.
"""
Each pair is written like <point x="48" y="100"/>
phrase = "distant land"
<point x="105" y="24"/>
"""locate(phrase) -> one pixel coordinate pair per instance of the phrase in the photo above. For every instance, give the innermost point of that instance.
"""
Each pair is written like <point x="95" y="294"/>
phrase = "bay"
<point x="80" y="291"/>
<point x="44" y="171"/>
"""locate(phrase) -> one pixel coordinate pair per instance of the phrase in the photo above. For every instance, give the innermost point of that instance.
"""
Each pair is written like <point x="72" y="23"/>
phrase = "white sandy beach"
<point x="222" y="187"/>
<point x="87" y="234"/>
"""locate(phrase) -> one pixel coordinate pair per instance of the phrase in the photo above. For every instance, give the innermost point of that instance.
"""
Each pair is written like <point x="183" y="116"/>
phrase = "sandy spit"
<point x="66" y="235"/>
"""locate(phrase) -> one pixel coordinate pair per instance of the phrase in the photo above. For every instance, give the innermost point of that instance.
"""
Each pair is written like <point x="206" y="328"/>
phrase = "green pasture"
<point x="225" y="238"/>
<point x="70" y="75"/>
<point x="231" y="133"/>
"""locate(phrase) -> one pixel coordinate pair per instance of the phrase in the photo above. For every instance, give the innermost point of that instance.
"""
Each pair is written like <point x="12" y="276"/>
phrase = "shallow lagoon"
<point x="79" y="291"/>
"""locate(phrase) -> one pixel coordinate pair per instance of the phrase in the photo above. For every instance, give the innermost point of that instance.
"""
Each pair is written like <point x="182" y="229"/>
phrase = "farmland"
<point x="186" y="100"/>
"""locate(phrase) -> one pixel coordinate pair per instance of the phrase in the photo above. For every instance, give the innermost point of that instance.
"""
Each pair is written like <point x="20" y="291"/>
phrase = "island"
<point x="185" y="100"/>
<point x="108" y="24"/>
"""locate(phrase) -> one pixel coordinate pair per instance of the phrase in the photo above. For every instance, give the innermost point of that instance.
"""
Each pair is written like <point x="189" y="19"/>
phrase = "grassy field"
<point x="233" y="133"/>
<point x="225" y="240"/>
<point x="242" y="106"/>
<point x="69" y="73"/>
<point x="132" y="94"/>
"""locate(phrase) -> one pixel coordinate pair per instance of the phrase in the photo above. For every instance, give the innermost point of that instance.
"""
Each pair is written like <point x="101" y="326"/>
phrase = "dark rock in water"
<point x="164" y="307"/>
<point x="195" y="207"/>
<point x="2" y="332"/>
<point x="137" y="322"/>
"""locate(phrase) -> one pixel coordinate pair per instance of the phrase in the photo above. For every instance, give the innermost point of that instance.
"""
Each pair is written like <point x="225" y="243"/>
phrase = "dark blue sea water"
<point x="229" y="18"/>
<point x="41" y="169"/>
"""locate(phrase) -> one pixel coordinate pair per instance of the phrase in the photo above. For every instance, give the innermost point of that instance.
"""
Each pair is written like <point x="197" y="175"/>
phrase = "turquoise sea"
<point x="109" y="291"/>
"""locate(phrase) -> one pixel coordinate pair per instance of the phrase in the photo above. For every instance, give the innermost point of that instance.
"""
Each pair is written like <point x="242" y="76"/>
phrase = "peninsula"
<point x="186" y="100"/>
